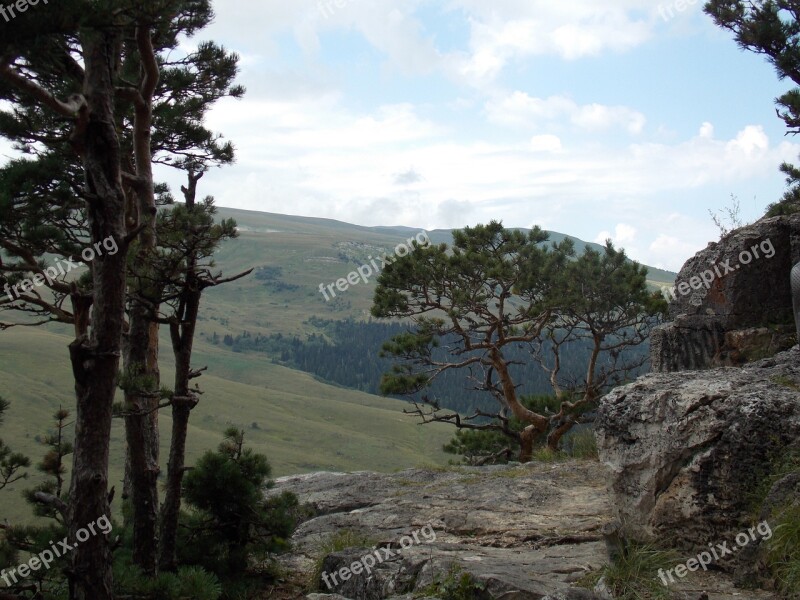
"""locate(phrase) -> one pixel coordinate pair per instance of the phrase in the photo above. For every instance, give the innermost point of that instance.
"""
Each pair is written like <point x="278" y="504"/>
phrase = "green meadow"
<point x="300" y="423"/>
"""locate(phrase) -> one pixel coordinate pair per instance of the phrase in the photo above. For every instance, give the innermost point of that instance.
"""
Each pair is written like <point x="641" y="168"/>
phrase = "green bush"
<point x="455" y="585"/>
<point x="188" y="582"/>
<point x="229" y="521"/>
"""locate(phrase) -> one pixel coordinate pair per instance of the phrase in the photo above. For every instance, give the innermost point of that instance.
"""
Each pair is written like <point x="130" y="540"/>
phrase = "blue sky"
<point x="626" y="119"/>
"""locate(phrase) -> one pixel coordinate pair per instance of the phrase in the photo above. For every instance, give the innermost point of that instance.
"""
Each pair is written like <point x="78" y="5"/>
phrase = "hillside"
<point x="301" y="423"/>
<point x="297" y="254"/>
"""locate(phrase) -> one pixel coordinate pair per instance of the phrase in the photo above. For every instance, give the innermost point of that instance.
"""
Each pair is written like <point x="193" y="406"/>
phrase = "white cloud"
<point x="504" y="30"/>
<point x="305" y="147"/>
<point x="546" y="143"/>
<point x="314" y="155"/>
<point x="750" y="141"/>
<point x="670" y="252"/>
<point x="519" y="109"/>
<point x="623" y="234"/>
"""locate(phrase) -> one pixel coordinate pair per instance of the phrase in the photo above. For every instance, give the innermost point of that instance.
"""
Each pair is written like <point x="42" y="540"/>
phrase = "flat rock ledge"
<point x="520" y="531"/>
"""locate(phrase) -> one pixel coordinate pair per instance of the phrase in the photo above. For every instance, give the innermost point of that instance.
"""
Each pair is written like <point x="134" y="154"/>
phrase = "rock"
<point x="749" y="271"/>
<point x="521" y="532"/>
<point x="518" y="532"/>
<point x="685" y="451"/>
<point x="748" y="345"/>
<point x="688" y="343"/>
<point x="782" y="492"/>
<point x="732" y="301"/>
<point x="573" y="594"/>
<point x="601" y="590"/>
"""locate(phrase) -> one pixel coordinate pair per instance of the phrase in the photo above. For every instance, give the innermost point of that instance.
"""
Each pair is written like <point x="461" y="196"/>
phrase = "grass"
<point x="783" y="462"/>
<point x="786" y="381"/>
<point x="783" y="551"/>
<point x="634" y="575"/>
<point x="341" y="540"/>
<point x="456" y="584"/>
<point x="303" y="425"/>
<point x="581" y="443"/>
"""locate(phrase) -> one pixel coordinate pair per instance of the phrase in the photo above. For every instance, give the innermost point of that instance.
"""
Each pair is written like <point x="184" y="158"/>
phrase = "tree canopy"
<point x="770" y="28"/>
<point x="497" y="289"/>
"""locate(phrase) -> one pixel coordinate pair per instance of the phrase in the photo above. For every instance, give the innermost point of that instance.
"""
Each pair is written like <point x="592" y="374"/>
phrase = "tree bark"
<point x="95" y="355"/>
<point x="554" y="437"/>
<point x="141" y="433"/>
<point x="182" y="404"/>
<point x="538" y="423"/>
<point x="141" y="341"/>
<point x="182" y="330"/>
<point x="526" y="439"/>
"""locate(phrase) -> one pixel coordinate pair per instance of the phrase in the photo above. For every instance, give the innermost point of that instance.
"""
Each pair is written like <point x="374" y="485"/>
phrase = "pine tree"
<point x="770" y="28"/>
<point x="97" y="98"/>
<point x="11" y="463"/>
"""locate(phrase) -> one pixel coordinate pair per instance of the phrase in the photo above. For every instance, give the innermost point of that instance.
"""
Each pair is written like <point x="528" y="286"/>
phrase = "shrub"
<point x="455" y="585"/>
<point x="230" y="520"/>
<point x="580" y="443"/>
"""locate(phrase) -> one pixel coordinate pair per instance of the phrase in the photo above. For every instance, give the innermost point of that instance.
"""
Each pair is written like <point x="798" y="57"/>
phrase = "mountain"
<point x="302" y="423"/>
<point x="294" y="255"/>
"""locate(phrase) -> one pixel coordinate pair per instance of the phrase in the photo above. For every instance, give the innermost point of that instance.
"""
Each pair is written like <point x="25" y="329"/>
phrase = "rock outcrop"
<point x="686" y="452"/>
<point x="515" y="532"/>
<point x="520" y="532"/>
<point x="740" y="283"/>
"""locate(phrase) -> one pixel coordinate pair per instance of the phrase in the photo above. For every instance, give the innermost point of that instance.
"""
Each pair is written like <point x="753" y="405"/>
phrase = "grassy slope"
<point x="302" y="424"/>
<point x="307" y="249"/>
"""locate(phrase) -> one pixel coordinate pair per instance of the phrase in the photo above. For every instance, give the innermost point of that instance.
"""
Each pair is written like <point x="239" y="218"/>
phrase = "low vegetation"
<point x="634" y="573"/>
<point x="783" y="550"/>
<point x="341" y="540"/>
<point x="455" y="584"/>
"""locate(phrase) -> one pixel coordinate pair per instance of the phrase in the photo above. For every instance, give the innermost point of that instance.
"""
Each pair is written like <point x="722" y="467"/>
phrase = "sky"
<point x="621" y="119"/>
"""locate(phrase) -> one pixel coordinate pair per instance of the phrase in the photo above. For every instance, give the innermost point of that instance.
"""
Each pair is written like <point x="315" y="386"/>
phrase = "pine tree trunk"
<point x="182" y="331"/>
<point x="554" y="437"/>
<point x="182" y="404"/>
<point x="141" y="355"/>
<point x="141" y="432"/>
<point x="95" y="356"/>
<point x="526" y="439"/>
<point x="170" y="510"/>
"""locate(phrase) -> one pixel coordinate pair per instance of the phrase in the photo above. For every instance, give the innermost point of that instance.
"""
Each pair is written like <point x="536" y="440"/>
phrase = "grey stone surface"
<point x="521" y="532"/>
<point x="716" y="293"/>
<point x="687" y="343"/>
<point x="743" y="295"/>
<point x="686" y="450"/>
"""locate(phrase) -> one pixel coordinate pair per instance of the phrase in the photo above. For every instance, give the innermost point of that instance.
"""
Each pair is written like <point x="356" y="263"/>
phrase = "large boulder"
<point x="742" y="280"/>
<point x="518" y="532"/>
<point x="739" y="283"/>
<point x="687" y="451"/>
